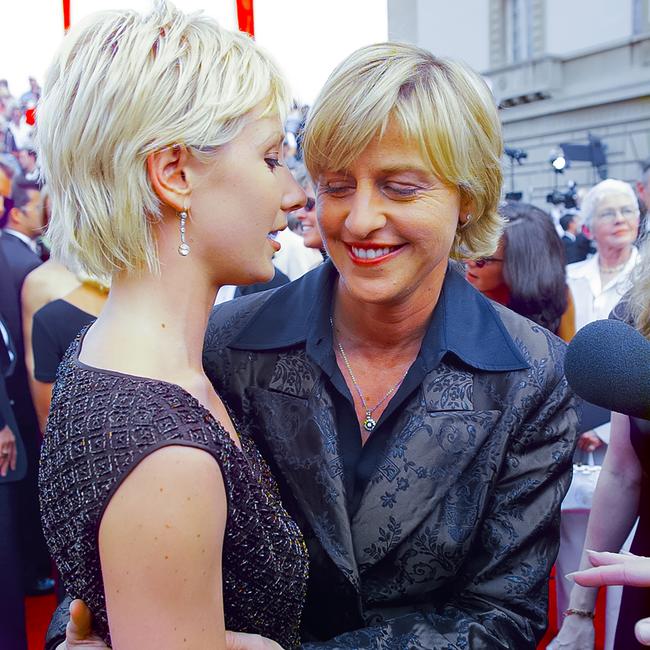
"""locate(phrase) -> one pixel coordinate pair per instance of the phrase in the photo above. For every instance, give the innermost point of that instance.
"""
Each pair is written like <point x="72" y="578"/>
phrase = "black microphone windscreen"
<point x="608" y="364"/>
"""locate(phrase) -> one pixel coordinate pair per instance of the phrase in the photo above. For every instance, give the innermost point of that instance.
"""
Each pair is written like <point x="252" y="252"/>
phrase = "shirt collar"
<point x="23" y="238"/>
<point x="464" y="323"/>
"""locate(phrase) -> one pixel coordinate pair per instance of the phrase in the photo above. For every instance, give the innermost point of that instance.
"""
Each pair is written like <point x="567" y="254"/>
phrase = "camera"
<point x="566" y="197"/>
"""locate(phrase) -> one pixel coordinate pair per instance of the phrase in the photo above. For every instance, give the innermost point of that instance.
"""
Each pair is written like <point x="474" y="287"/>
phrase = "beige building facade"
<point x="559" y="69"/>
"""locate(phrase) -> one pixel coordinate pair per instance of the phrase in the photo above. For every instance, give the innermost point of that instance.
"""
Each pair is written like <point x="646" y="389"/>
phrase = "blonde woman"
<point x="421" y="435"/>
<point x="161" y="137"/>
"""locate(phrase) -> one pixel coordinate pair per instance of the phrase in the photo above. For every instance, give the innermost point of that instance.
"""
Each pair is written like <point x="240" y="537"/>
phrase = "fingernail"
<point x="642" y="630"/>
<point x="571" y="576"/>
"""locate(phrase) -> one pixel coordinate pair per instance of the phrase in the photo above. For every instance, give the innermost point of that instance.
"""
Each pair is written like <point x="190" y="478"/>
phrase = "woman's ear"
<point x="167" y="173"/>
<point x="466" y="209"/>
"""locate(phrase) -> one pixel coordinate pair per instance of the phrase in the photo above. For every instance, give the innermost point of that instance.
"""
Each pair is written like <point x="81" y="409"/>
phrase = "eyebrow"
<point x="277" y="137"/>
<point x="402" y="169"/>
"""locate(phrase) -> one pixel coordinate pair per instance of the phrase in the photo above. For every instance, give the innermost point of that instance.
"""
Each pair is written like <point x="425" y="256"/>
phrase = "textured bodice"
<point x="101" y="425"/>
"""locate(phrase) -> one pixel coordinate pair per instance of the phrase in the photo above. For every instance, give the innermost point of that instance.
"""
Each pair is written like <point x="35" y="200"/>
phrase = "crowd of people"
<point x="352" y="432"/>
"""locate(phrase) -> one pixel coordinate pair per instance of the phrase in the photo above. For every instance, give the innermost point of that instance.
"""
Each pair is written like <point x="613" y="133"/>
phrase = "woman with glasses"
<point x="611" y="212"/>
<point x="526" y="273"/>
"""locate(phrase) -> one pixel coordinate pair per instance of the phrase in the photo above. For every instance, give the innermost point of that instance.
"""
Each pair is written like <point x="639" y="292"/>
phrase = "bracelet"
<point x="584" y="613"/>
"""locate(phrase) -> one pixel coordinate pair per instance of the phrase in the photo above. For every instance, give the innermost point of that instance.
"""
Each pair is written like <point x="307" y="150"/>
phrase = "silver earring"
<point x="184" y="248"/>
<point x="468" y="218"/>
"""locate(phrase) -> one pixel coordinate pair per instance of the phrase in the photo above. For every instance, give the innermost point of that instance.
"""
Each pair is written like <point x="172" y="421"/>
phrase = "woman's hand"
<point x="618" y="569"/>
<point x="576" y="633"/>
<point x="589" y="441"/>
<point x="79" y="634"/>
<point x="79" y="631"/>
<point x="614" y="569"/>
<point x="8" y="452"/>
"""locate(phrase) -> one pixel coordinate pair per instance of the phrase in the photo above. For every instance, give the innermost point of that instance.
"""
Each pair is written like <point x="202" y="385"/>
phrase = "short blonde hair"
<point x="590" y="201"/>
<point x="124" y="85"/>
<point x="443" y="106"/>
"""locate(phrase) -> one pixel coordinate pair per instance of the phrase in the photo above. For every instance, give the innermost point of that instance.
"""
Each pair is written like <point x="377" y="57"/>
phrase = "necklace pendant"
<point x="369" y="423"/>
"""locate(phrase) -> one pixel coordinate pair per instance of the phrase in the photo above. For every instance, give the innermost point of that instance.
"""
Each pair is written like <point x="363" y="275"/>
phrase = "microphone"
<point x="608" y="364"/>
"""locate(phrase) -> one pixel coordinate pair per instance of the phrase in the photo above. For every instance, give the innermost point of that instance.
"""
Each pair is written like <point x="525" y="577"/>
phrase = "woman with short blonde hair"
<point x="161" y="138"/>
<point x="440" y="104"/>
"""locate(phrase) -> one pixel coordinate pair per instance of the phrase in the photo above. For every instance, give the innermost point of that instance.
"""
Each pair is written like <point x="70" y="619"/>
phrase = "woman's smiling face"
<point x="387" y="221"/>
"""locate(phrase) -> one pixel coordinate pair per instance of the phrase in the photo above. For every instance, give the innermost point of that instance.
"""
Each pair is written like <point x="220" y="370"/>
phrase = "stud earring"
<point x="467" y="221"/>
<point x="184" y="248"/>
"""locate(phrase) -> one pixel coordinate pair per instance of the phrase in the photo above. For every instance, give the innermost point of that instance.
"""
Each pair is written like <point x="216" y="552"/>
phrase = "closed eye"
<point x="400" y="191"/>
<point x="273" y="163"/>
<point x="336" y="190"/>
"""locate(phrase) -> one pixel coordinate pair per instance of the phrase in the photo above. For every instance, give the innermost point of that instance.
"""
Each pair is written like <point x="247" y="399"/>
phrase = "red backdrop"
<point x="244" y="15"/>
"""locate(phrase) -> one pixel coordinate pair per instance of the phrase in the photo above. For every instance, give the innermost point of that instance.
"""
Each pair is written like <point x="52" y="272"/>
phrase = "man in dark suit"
<point x="19" y="250"/>
<point x="576" y="244"/>
<point x="24" y="223"/>
<point x="12" y="610"/>
<point x="569" y="224"/>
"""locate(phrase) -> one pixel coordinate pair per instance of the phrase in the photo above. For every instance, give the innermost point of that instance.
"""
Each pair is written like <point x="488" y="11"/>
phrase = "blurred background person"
<point x="28" y="164"/>
<point x="526" y="272"/>
<point x="307" y="225"/>
<point x="54" y="327"/>
<point x="19" y="243"/>
<point x="6" y="176"/>
<point x="12" y="470"/>
<point x="569" y="224"/>
<point x="20" y="132"/>
<point x="611" y="212"/>
<point x="47" y="282"/>
<point x="577" y="246"/>
<point x="643" y="195"/>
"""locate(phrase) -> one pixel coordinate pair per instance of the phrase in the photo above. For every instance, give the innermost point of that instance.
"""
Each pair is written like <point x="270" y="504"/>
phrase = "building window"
<point x="517" y="16"/>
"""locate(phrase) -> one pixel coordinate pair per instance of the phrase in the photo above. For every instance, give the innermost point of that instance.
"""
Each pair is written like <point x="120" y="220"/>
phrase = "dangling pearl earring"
<point x="184" y="248"/>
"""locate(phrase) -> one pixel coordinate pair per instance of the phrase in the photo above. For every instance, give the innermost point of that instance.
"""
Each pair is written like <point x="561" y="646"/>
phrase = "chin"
<point x="253" y="275"/>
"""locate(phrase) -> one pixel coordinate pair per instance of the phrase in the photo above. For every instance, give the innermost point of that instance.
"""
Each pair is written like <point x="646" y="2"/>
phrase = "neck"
<point x="612" y="257"/>
<point x="159" y="321"/>
<point x="500" y="294"/>
<point x="372" y="326"/>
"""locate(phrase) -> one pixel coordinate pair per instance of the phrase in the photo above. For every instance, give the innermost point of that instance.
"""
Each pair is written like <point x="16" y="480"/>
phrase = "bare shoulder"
<point x="160" y="543"/>
<point x="172" y="484"/>
<point x="47" y="282"/>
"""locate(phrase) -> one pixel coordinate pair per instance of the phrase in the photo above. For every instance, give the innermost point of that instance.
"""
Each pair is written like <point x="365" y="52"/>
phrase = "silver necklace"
<point x="368" y="423"/>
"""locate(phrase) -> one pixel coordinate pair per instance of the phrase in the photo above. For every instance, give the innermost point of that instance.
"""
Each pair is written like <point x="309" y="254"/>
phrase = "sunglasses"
<point x="486" y="260"/>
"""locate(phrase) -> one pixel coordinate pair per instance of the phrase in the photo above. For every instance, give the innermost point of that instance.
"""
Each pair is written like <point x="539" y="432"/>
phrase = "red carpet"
<point x="38" y="611"/>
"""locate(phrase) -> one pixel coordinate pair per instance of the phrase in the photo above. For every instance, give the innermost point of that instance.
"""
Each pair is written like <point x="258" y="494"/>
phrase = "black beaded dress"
<point x="101" y="425"/>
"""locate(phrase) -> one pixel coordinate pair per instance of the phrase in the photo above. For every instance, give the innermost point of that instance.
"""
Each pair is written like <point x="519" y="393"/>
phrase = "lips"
<point x="272" y="238"/>
<point x="369" y="253"/>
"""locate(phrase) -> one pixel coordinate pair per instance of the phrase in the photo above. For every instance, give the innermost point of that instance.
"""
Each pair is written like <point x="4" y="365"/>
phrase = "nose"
<point x="365" y="214"/>
<point x="293" y="197"/>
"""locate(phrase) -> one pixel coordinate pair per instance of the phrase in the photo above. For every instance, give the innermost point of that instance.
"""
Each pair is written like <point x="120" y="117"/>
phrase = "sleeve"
<point x="46" y="349"/>
<point x="56" y="630"/>
<point x="502" y="596"/>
